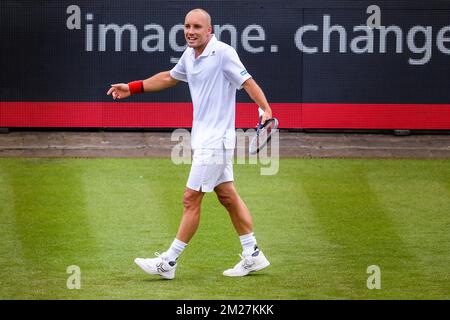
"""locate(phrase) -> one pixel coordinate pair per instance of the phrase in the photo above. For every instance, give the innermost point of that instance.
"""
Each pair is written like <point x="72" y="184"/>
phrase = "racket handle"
<point x="261" y="111"/>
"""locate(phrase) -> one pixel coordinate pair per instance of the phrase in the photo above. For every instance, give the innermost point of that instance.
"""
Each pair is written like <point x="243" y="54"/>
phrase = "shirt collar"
<point x="209" y="47"/>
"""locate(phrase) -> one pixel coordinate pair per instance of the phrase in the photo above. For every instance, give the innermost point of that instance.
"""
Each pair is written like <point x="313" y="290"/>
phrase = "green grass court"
<point x="321" y="223"/>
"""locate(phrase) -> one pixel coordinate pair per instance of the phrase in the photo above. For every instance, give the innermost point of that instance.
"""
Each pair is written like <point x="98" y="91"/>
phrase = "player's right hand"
<point x="119" y="91"/>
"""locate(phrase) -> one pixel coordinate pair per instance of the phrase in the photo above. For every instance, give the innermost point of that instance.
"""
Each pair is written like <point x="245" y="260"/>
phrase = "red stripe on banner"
<point x="179" y="115"/>
<point x="50" y="114"/>
<point x="288" y="114"/>
<point x="147" y="115"/>
<point x="95" y="114"/>
<point x="376" y="116"/>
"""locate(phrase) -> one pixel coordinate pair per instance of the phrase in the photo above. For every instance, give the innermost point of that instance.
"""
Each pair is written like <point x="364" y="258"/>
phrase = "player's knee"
<point x="190" y="200"/>
<point x="226" y="199"/>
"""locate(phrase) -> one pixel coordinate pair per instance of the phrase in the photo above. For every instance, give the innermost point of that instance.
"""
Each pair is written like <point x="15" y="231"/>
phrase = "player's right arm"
<point x="158" y="82"/>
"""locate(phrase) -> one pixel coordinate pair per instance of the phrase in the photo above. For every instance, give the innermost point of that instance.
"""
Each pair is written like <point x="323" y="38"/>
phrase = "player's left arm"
<point x="257" y="95"/>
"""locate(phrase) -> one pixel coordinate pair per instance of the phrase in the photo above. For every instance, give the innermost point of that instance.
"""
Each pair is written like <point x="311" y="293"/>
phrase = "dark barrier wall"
<point x="322" y="64"/>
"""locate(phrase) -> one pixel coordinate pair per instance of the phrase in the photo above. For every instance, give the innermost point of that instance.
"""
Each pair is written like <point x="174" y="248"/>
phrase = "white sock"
<point x="248" y="242"/>
<point x="175" y="249"/>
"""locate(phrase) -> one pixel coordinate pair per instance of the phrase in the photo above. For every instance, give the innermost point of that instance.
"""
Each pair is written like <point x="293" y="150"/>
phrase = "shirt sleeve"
<point x="179" y="71"/>
<point x="233" y="68"/>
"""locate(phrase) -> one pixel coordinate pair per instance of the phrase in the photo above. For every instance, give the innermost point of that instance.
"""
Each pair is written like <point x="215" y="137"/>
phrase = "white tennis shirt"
<point x="213" y="79"/>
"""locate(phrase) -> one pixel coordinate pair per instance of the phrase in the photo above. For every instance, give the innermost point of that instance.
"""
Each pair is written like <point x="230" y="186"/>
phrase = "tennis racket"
<point x="263" y="134"/>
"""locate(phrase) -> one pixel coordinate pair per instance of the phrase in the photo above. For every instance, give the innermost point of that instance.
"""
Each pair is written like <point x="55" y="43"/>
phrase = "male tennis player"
<point x="213" y="72"/>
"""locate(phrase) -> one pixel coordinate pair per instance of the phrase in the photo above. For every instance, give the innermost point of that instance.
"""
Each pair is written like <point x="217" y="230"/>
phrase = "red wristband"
<point x="136" y="86"/>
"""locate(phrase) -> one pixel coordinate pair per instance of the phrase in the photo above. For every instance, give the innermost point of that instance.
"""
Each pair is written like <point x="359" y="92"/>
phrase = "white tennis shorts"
<point x="210" y="167"/>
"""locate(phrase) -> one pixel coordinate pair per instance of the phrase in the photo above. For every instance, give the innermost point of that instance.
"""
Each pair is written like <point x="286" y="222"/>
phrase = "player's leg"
<point x="190" y="220"/>
<point x="252" y="258"/>
<point x="239" y="213"/>
<point x="165" y="264"/>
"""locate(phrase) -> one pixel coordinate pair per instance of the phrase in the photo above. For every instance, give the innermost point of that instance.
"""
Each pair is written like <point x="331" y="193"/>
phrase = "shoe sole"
<point x="263" y="266"/>
<point x="143" y="268"/>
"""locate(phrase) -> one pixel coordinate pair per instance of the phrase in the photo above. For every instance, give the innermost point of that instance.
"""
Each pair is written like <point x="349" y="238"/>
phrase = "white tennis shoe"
<point x="250" y="263"/>
<point x="158" y="266"/>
